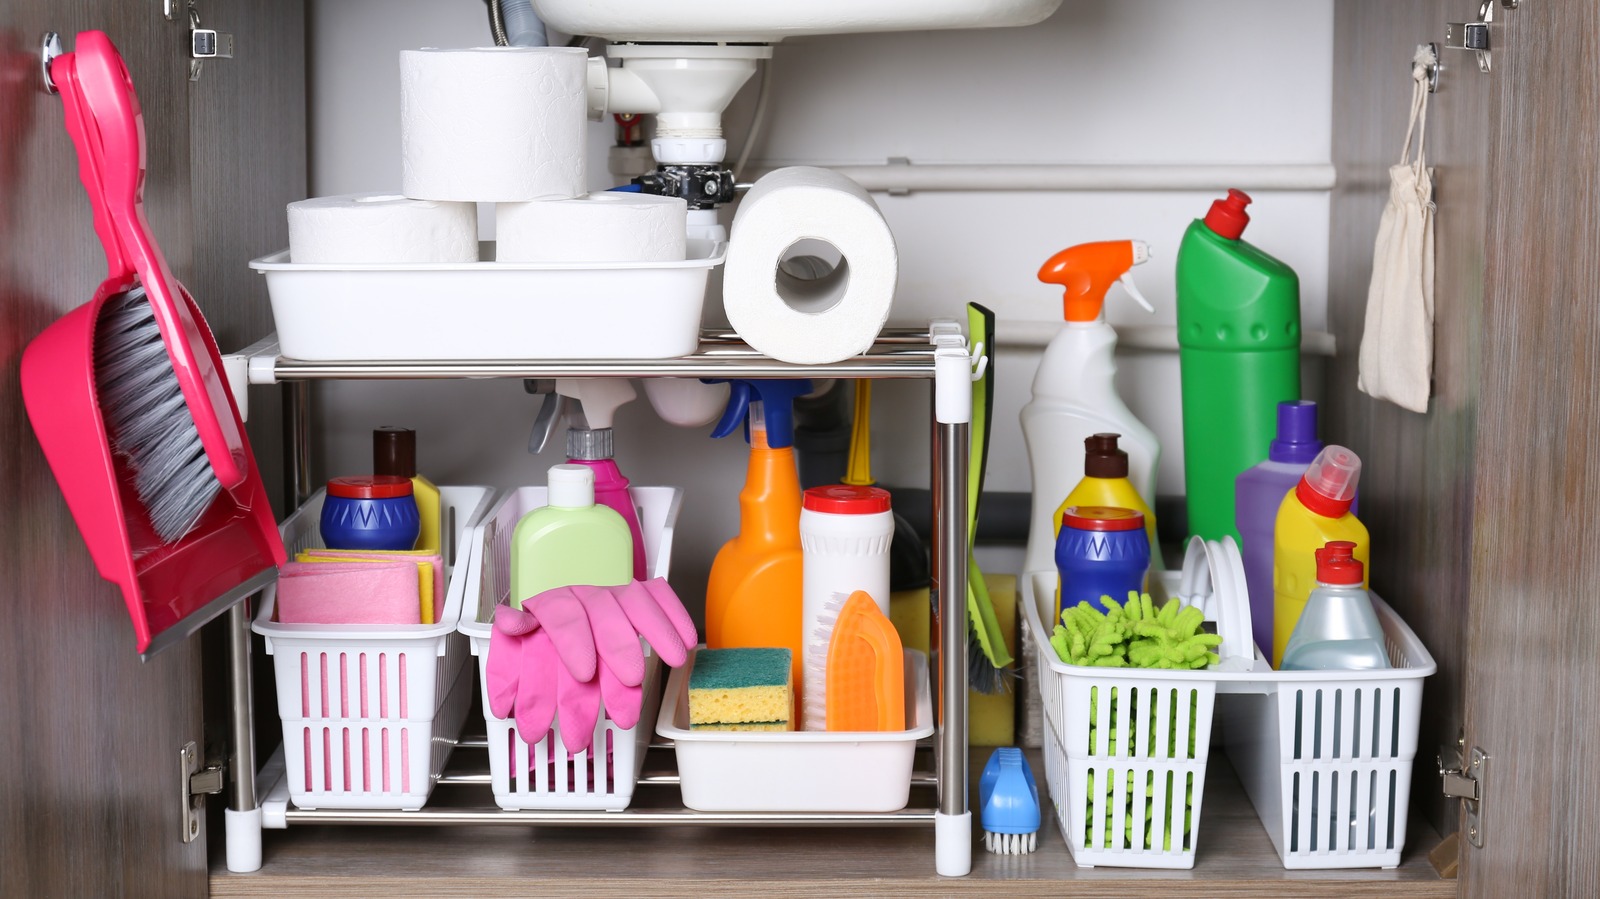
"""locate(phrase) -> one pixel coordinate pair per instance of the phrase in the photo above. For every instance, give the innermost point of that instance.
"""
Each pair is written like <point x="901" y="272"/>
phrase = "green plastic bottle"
<point x="570" y="541"/>
<point x="1239" y="356"/>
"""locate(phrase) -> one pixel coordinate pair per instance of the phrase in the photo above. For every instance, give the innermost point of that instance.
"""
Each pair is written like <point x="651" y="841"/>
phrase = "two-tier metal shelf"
<point x="938" y="353"/>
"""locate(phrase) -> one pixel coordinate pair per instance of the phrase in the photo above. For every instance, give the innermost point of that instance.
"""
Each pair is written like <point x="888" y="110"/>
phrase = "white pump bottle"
<point x="1073" y="393"/>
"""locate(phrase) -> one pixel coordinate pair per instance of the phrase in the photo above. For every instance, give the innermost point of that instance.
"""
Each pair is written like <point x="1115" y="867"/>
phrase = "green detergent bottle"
<point x="1239" y="356"/>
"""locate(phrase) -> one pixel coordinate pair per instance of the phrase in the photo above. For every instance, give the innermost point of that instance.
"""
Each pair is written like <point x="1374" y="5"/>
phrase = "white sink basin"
<point x="765" y="21"/>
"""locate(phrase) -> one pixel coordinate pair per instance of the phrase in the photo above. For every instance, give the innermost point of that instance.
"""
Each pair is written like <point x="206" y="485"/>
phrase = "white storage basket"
<point x="1325" y="756"/>
<point x="370" y="711"/>
<point x="542" y="776"/>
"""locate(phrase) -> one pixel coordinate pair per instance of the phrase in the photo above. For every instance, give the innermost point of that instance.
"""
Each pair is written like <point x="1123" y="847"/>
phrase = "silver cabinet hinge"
<point x="197" y="784"/>
<point x="1474" y="36"/>
<point x="1463" y="772"/>
<point x="205" y="43"/>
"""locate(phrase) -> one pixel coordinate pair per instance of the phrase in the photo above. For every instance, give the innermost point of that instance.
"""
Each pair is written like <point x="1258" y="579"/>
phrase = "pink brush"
<point x="177" y="515"/>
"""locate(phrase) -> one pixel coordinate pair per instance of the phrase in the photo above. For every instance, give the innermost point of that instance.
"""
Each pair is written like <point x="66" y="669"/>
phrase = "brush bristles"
<point x="982" y="675"/>
<point x="148" y="419"/>
<point x="1011" y="843"/>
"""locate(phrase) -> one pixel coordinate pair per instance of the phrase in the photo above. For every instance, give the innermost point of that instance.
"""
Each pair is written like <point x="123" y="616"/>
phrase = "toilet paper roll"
<point x="809" y="313"/>
<point x="495" y="124"/>
<point x="379" y="228"/>
<point x="609" y="226"/>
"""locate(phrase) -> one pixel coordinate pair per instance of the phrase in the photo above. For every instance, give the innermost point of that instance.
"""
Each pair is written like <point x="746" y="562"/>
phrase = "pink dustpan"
<point x="171" y="588"/>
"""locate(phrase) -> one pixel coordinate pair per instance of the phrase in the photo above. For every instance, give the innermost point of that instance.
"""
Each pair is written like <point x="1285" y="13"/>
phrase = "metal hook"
<point x="49" y="49"/>
<point x="1432" y="69"/>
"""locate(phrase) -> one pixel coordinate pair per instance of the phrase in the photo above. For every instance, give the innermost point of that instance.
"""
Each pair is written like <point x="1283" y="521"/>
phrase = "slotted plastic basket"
<point x="1325" y="756"/>
<point x="542" y="775"/>
<point x="371" y="712"/>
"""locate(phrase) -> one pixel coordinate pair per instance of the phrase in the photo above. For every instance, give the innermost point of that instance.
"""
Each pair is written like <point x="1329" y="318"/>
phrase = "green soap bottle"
<point x="1238" y="354"/>
<point x="570" y="541"/>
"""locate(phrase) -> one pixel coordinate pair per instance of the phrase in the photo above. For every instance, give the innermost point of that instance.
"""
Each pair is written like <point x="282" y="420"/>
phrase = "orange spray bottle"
<point x="753" y="597"/>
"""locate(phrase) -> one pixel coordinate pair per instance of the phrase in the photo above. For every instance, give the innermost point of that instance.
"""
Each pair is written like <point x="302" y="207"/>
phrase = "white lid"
<point x="571" y="486"/>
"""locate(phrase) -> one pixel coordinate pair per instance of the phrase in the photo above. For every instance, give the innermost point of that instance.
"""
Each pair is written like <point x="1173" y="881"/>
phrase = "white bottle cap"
<point x="571" y="486"/>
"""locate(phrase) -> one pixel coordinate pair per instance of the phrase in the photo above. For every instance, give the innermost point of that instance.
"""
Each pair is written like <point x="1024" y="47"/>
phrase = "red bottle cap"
<point x="843" y="499"/>
<point x="1337" y="564"/>
<point x="1102" y="518"/>
<point x="1227" y="217"/>
<point x="372" y="486"/>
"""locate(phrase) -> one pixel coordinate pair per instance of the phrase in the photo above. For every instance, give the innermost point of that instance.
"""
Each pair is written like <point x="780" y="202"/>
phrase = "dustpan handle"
<point x="107" y="128"/>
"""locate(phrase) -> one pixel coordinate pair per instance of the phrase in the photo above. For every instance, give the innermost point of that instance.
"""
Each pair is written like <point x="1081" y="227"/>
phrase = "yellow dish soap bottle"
<point x="1315" y="513"/>
<point x="1105" y="483"/>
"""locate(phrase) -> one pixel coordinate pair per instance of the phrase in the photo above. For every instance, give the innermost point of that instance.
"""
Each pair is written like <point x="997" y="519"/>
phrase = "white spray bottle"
<point x="1073" y="393"/>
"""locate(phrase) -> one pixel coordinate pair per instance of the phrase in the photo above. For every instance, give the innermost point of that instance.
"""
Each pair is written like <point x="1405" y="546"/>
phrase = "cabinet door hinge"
<point x="1463" y="772"/>
<point x="197" y="783"/>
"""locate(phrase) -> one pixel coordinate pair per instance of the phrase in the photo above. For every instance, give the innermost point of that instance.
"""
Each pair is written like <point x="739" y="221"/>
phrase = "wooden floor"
<point x="1235" y="859"/>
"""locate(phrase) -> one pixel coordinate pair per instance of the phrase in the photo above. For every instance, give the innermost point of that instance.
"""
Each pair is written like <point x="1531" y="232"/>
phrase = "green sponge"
<point x="741" y="686"/>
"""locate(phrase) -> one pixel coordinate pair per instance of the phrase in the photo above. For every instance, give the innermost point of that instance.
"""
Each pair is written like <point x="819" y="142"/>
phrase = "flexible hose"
<point x="496" y="26"/>
<point x="523" y="27"/>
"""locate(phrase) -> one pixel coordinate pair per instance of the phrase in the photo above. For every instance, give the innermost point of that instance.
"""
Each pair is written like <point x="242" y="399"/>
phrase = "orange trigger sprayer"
<point x="1087" y="272"/>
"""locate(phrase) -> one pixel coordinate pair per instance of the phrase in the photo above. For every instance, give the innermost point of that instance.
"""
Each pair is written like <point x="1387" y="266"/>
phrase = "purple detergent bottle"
<point x="1258" y="491"/>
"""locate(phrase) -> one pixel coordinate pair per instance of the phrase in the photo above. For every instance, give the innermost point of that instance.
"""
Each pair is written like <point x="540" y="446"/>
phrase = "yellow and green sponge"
<point x="741" y="689"/>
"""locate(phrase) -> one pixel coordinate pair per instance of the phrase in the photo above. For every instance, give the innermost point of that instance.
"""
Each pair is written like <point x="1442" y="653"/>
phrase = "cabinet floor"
<point x="1236" y="858"/>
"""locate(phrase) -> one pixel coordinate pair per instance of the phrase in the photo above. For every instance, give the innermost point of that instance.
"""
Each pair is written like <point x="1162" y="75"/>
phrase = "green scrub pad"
<point x="741" y="686"/>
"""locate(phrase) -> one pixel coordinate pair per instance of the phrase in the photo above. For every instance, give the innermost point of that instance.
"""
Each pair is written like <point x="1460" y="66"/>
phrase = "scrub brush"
<point x="1010" y="802"/>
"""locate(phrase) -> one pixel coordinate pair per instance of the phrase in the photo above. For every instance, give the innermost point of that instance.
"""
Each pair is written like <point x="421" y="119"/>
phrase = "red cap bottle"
<point x="1337" y="564"/>
<point x="1227" y="216"/>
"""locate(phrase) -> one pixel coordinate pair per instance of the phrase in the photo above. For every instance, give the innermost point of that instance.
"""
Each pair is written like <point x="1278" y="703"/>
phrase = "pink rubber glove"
<point x="660" y="618"/>
<point x="619" y="616"/>
<point x="562" y="618"/>
<point x="504" y="665"/>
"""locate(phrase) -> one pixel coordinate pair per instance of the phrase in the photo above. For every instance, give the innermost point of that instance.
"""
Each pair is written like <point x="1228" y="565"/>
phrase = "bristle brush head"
<point x="1011" y="843"/>
<point x="147" y="419"/>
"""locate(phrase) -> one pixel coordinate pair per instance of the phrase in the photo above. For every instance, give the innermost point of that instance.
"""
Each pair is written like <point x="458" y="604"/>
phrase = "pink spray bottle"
<point x="592" y="445"/>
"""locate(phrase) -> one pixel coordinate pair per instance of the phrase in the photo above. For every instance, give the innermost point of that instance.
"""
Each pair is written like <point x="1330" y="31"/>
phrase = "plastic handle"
<point x="1133" y="291"/>
<point x="103" y="119"/>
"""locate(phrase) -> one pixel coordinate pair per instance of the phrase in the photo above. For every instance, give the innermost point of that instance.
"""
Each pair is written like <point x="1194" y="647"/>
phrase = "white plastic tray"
<point x="489" y="310"/>
<point x="1325" y="756"/>
<point x="543" y="776"/>
<point x="371" y="711"/>
<point x="797" y="771"/>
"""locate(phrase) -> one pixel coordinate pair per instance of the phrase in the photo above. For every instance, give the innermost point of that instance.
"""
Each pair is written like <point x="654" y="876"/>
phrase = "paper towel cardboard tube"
<point x="779" y="291"/>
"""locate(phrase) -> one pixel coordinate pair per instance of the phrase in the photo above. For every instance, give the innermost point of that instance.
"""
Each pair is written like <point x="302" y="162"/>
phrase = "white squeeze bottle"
<point x="1073" y="394"/>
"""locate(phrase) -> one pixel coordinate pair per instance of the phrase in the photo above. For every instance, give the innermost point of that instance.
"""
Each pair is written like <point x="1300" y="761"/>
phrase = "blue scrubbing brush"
<point x="1010" y="801"/>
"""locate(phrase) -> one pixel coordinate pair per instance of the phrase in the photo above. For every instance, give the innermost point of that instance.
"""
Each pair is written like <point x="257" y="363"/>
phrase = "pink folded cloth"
<point x="349" y="593"/>
<point x="413" y="557"/>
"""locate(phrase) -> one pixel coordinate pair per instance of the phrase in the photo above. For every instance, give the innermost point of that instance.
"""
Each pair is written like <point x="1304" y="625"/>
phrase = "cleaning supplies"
<point x="1008" y="799"/>
<point x="866" y="669"/>
<point x="1314" y="514"/>
<point x="569" y="541"/>
<point x="1073" y="393"/>
<point x="741" y="689"/>
<point x="1239" y="356"/>
<point x="753" y="597"/>
<point x="1135" y="635"/>
<point x="594" y="446"/>
<point x="908" y="555"/>
<point x="370" y="512"/>
<point x="394" y="452"/>
<point x="844" y="540"/>
<point x="1102" y="551"/>
<point x="172" y="546"/>
<point x="1338" y="629"/>
<point x="1257" y="494"/>
<point x="987" y="653"/>
<point x="348" y="593"/>
<point x="1105" y="483"/>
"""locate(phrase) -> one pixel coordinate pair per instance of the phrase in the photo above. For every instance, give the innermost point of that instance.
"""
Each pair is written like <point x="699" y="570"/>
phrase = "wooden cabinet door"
<point x="89" y="735"/>
<point x="1533" y="683"/>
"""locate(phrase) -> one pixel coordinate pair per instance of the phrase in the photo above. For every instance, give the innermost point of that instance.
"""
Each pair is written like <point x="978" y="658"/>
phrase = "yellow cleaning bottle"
<point x="394" y="452"/>
<point x="753" y="597"/>
<point x="1105" y="483"/>
<point x="1315" y="513"/>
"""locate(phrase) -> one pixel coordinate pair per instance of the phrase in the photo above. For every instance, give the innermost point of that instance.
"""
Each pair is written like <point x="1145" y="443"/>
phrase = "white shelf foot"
<point x="952" y="842"/>
<point x="244" y="840"/>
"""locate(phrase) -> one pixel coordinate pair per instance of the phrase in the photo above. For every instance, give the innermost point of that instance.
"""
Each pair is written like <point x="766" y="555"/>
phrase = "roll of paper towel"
<point x="805" y="313"/>
<point x="495" y="124"/>
<point x="609" y="226"/>
<point x="380" y="228"/>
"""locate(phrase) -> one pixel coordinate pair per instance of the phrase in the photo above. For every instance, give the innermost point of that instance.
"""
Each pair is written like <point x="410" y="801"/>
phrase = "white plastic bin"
<point x="370" y="711"/>
<point x="489" y="310"/>
<point x="797" y="771"/>
<point x="1324" y="756"/>
<point x="542" y="776"/>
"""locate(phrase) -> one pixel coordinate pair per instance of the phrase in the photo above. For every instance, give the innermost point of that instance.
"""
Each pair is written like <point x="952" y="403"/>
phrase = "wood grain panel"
<point x="1235" y="859"/>
<point x="89" y="787"/>
<point x="1417" y="471"/>
<point x="1536" y="554"/>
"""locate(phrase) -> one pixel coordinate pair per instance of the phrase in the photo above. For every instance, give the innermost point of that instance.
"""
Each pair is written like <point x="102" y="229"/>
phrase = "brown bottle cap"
<point x="1101" y="457"/>
<point x="394" y="452"/>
